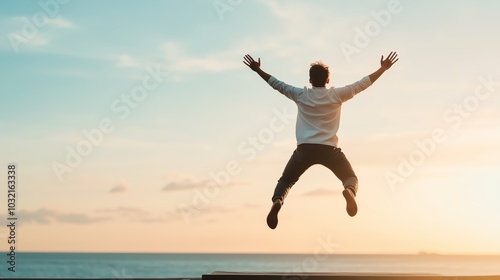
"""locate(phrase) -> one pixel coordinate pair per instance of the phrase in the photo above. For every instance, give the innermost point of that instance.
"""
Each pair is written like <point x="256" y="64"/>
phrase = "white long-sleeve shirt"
<point x="318" y="116"/>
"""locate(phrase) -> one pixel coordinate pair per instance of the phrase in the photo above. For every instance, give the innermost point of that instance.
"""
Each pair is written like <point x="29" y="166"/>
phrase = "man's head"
<point x="319" y="74"/>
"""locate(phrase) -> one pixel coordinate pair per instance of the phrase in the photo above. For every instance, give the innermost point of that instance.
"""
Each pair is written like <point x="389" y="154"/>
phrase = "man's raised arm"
<point x="384" y="65"/>
<point x="255" y="66"/>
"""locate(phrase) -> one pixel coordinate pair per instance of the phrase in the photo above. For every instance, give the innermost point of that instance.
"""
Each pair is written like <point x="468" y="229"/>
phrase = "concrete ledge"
<point x="222" y="275"/>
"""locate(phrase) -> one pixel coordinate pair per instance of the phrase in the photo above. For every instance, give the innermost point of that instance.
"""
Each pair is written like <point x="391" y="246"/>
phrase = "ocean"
<point x="137" y="265"/>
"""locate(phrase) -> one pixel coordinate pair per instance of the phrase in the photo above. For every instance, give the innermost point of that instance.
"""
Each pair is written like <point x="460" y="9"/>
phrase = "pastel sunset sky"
<point x="136" y="127"/>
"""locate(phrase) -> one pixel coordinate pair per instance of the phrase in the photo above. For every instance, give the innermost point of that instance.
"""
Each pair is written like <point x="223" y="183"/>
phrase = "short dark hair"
<point x="319" y="73"/>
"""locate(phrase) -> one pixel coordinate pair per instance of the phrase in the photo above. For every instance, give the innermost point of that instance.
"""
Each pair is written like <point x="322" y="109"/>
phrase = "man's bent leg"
<point x="295" y="167"/>
<point x="272" y="217"/>
<point x="351" y="183"/>
<point x="341" y="167"/>
<point x="349" y="194"/>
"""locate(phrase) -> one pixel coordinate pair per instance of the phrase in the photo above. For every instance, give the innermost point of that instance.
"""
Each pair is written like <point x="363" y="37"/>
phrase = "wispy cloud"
<point x="23" y="30"/>
<point x="76" y="218"/>
<point x="191" y="184"/>
<point x="291" y="11"/>
<point x="185" y="184"/>
<point x="135" y="215"/>
<point x="127" y="61"/>
<point x="38" y="40"/>
<point x="118" y="189"/>
<point x="287" y="43"/>
<point x="60" y="22"/>
<point x="139" y="215"/>
<point x="182" y="62"/>
<point x="47" y="216"/>
<point x="18" y="22"/>
<point x="124" y="211"/>
<point x="211" y="213"/>
<point x="298" y="19"/>
<point x="121" y="187"/>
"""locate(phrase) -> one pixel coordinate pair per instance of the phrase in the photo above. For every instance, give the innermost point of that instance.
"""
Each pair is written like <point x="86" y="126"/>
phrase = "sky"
<point x="135" y="126"/>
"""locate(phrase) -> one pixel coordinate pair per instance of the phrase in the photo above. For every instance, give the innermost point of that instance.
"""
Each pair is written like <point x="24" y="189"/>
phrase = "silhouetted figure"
<point x="318" y="121"/>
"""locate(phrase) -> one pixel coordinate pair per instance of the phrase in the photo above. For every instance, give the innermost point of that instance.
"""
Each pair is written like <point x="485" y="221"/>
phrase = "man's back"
<point x="319" y="109"/>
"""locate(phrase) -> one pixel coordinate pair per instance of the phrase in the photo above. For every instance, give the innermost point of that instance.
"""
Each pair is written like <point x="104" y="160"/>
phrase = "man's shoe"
<point x="272" y="217"/>
<point x="352" y="207"/>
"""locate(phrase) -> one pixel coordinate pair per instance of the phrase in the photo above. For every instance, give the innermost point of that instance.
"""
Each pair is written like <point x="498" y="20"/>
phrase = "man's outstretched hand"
<point x="384" y="65"/>
<point x="250" y="62"/>
<point x="389" y="61"/>
<point x="255" y="66"/>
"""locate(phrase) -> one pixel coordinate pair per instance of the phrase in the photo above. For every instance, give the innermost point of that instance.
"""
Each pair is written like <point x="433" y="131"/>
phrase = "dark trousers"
<point x="307" y="155"/>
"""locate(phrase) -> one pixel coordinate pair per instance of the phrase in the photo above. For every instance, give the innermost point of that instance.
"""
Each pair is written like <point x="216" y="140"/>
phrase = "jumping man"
<point x="317" y="124"/>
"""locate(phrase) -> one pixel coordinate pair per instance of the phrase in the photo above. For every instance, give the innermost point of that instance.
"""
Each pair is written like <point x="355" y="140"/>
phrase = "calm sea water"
<point x="121" y="265"/>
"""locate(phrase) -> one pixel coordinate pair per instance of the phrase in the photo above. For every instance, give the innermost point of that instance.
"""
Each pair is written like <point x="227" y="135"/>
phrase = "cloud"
<point x="190" y="184"/>
<point x="291" y="11"/>
<point x="178" y="214"/>
<point x="47" y="216"/>
<point x="121" y="187"/>
<point x="75" y="218"/>
<point x="18" y="22"/>
<point x="180" y="61"/>
<point x="60" y="22"/>
<point x="153" y="220"/>
<point x="127" y="61"/>
<point x="208" y="213"/>
<point x="37" y="40"/>
<point x="187" y="213"/>
<point x="124" y="211"/>
<point x="135" y="214"/>
<point x="23" y="30"/>
<point x="185" y="184"/>
<point x="41" y="216"/>
<point x="118" y="189"/>
<point x="299" y="18"/>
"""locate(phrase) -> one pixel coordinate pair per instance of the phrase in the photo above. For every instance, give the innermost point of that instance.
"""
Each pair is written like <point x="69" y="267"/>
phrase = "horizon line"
<point x="420" y="253"/>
